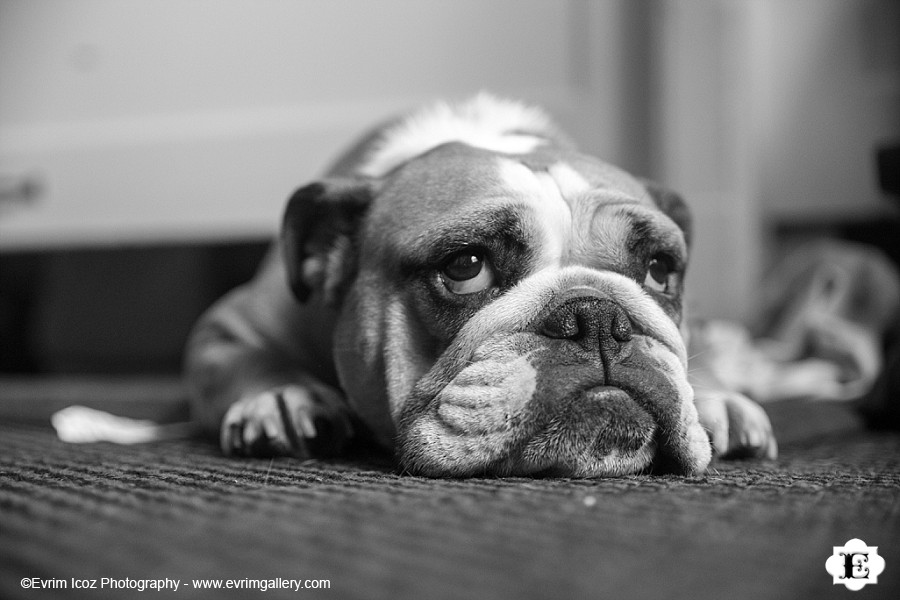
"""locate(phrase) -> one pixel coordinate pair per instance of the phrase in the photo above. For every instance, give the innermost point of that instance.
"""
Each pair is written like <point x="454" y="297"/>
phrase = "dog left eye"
<point x="467" y="272"/>
<point x="659" y="277"/>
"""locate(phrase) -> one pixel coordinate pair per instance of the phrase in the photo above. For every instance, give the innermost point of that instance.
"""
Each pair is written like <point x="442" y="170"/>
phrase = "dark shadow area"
<point x="119" y="310"/>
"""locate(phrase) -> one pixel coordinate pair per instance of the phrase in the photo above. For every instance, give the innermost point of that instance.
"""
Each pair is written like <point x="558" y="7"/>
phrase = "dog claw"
<point x="291" y="421"/>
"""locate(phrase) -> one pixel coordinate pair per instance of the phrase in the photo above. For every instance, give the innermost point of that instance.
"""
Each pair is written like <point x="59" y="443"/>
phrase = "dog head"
<point x="506" y="304"/>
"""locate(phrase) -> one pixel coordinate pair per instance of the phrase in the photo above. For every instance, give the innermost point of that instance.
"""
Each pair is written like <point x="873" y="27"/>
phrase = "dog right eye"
<point x="467" y="272"/>
<point x="660" y="274"/>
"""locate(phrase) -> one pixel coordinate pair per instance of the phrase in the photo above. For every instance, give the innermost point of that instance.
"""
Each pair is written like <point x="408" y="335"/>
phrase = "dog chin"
<point x="601" y="431"/>
<point x="614" y="464"/>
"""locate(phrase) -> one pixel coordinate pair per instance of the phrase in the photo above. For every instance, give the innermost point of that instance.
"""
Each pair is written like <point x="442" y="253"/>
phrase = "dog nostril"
<point x="562" y="325"/>
<point x="620" y="328"/>
<point x="588" y="321"/>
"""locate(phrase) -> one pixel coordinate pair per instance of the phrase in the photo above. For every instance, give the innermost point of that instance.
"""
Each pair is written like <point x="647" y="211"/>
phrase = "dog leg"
<point x="253" y="375"/>
<point x="301" y="420"/>
<point x="737" y="426"/>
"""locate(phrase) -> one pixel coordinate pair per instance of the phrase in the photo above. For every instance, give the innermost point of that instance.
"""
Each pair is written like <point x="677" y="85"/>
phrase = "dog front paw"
<point x="737" y="426"/>
<point x="294" y="420"/>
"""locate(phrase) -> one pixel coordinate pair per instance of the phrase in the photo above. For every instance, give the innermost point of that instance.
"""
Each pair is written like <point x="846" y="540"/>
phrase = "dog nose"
<point x="594" y="323"/>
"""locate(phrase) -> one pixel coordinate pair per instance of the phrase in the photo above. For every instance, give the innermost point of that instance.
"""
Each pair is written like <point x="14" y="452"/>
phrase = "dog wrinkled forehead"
<point x="450" y="168"/>
<point x="579" y="208"/>
<point x="493" y="127"/>
<point x="589" y="213"/>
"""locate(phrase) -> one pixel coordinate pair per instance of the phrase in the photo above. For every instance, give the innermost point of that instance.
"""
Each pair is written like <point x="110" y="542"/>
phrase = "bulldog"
<point x="466" y="288"/>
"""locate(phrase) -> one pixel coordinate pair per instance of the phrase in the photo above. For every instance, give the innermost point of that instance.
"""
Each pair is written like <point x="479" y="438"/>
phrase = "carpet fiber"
<point x="179" y="510"/>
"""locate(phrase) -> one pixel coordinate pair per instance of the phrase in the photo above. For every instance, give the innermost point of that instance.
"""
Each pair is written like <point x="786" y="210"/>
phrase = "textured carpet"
<point x="178" y="510"/>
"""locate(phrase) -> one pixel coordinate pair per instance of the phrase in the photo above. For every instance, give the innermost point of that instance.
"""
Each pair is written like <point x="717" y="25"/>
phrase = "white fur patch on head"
<point x="559" y="182"/>
<point x="541" y="193"/>
<point x="551" y="194"/>
<point x="484" y="121"/>
<point x="569" y="181"/>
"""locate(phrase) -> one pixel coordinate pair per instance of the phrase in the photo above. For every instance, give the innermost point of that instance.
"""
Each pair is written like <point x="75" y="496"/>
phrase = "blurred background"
<point x="147" y="146"/>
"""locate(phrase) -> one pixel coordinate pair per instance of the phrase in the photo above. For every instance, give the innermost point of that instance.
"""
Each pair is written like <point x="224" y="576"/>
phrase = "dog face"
<point x="506" y="313"/>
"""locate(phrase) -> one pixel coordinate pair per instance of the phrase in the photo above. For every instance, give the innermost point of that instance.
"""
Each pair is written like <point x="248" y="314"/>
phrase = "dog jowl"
<point x="468" y="289"/>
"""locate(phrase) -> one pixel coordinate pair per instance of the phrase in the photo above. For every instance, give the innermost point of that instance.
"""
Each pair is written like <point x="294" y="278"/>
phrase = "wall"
<point x="156" y="123"/>
<point x="830" y="95"/>
<point x="171" y="120"/>
<point x="770" y="111"/>
<point x="137" y="137"/>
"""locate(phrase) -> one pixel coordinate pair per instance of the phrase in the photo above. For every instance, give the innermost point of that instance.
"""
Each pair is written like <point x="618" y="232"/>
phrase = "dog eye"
<point x="659" y="277"/>
<point x="467" y="272"/>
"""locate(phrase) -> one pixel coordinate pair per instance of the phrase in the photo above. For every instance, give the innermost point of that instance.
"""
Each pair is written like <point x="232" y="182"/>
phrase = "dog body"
<point x="467" y="288"/>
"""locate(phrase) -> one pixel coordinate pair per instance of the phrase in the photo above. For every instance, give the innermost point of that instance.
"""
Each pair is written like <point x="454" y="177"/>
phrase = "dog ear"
<point x="318" y="236"/>
<point x="672" y="205"/>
